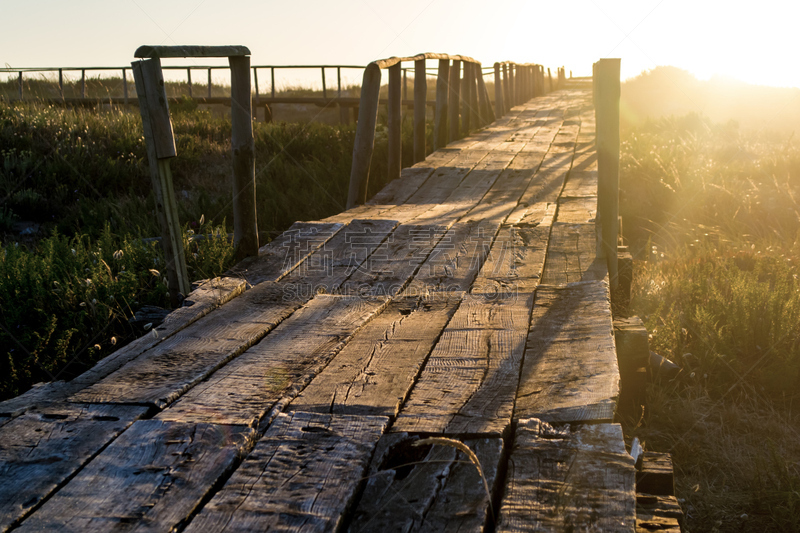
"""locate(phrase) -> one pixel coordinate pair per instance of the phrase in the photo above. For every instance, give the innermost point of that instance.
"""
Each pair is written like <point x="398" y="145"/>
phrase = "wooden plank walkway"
<point x="441" y="358"/>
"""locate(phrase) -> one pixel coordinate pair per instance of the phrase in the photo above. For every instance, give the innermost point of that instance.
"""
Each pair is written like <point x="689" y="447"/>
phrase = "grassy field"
<point x="712" y="210"/>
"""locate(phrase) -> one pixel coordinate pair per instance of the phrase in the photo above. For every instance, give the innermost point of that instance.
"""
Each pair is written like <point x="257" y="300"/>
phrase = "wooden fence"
<point x="332" y="95"/>
<point x="462" y="104"/>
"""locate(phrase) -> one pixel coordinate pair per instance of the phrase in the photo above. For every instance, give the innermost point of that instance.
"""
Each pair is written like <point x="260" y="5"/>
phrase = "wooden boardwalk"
<point x="312" y="388"/>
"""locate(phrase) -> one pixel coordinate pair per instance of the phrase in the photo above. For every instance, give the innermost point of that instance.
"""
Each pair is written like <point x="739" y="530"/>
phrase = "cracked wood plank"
<point x="374" y="372"/>
<point x="427" y="488"/>
<point x="301" y="476"/>
<point x="43" y="448"/>
<point x="563" y="481"/>
<point x="163" y="374"/>
<point x="209" y="295"/>
<point x="572" y="255"/>
<point x="453" y="263"/>
<point x="515" y="261"/>
<point x="570" y="373"/>
<point x="150" y="479"/>
<point x="274" y="260"/>
<point x="279" y="366"/>
<point x="395" y="261"/>
<point x="470" y="379"/>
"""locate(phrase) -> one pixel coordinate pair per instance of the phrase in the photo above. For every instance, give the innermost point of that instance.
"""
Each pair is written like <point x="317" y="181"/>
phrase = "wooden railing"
<point x="458" y="109"/>
<point x="606" y="93"/>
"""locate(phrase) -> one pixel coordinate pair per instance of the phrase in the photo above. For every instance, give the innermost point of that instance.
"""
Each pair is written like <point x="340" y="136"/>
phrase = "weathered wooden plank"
<point x="428" y="487"/>
<point x="656" y="475"/>
<point x="162" y="374"/>
<point x="373" y="374"/>
<point x="150" y="479"/>
<point x="657" y="513"/>
<point x="209" y="295"/>
<point x="572" y="255"/>
<point x="582" y="210"/>
<point x="302" y="475"/>
<point x="515" y="261"/>
<point x="562" y="480"/>
<point x="581" y="183"/>
<point x="286" y="252"/>
<point x="570" y="373"/>
<point x="394" y="262"/>
<point x="469" y="382"/>
<point x="42" y="449"/>
<point x="280" y="365"/>
<point x="456" y="259"/>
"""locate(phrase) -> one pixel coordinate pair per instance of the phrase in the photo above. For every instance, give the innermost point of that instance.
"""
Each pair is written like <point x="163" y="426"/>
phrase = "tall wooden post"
<point x="160" y="144"/>
<point x="395" y="122"/>
<point x="61" y="84"/>
<point x="83" y="82"/>
<point x="440" y="112"/>
<point x="420" y="109"/>
<point x="499" y="107"/>
<point x="484" y="104"/>
<point x="455" y="90"/>
<point x="466" y="99"/>
<point x="474" y="106"/>
<point x="512" y="86"/>
<point x="365" y="135"/>
<point x="189" y="80"/>
<point x="209" y="83"/>
<point x="124" y="84"/>
<point x="607" y="90"/>
<point x="245" y="227"/>
<point x="506" y="90"/>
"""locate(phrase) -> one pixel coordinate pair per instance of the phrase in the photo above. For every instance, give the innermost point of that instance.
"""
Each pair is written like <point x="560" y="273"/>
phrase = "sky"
<point x="749" y="42"/>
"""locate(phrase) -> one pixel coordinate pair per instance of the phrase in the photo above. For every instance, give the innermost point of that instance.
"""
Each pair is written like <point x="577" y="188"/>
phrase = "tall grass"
<point x="713" y="215"/>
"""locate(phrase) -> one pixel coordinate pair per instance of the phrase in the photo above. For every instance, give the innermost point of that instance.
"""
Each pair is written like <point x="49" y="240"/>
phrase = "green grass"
<point x="712" y="214"/>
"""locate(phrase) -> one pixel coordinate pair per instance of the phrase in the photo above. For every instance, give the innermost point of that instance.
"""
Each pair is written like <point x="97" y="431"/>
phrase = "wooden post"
<point x="124" y="84"/>
<point x="405" y="84"/>
<point x="512" y="84"/>
<point x="245" y="226"/>
<point x="272" y="80"/>
<point x="395" y="122"/>
<point x="189" y="79"/>
<point x="475" y="114"/>
<point x="607" y="89"/>
<point x="344" y="116"/>
<point x="506" y="90"/>
<point x="256" y="97"/>
<point x="549" y="80"/>
<point x="160" y="144"/>
<point x="61" y="84"/>
<point x="19" y="91"/>
<point x="453" y="105"/>
<point x="209" y="83"/>
<point x="440" y="113"/>
<point x="420" y="109"/>
<point x="83" y="82"/>
<point x="466" y="98"/>
<point x="499" y="107"/>
<point x="324" y="89"/>
<point x="487" y="115"/>
<point x="365" y="135"/>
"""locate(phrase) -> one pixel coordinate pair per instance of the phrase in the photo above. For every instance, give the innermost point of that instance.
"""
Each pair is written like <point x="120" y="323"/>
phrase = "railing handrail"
<point x="514" y="83"/>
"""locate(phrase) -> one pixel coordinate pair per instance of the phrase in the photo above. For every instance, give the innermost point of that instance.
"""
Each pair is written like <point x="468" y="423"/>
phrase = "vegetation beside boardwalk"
<point x="714" y="216"/>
